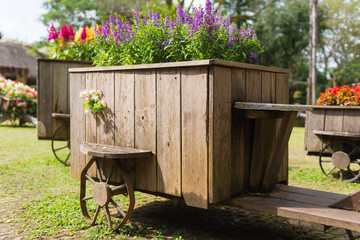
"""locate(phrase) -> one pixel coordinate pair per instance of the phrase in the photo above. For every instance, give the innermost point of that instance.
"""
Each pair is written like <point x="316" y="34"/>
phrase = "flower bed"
<point x="340" y="96"/>
<point x="19" y="99"/>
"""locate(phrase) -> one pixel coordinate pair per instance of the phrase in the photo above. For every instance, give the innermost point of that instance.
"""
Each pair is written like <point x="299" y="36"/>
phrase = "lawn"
<point x="44" y="197"/>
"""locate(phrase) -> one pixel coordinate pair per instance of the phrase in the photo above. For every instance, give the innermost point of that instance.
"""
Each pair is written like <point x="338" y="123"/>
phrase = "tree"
<point x="286" y="38"/>
<point x="243" y="11"/>
<point x="341" y="39"/>
<point x="1" y="35"/>
<point x="86" y="12"/>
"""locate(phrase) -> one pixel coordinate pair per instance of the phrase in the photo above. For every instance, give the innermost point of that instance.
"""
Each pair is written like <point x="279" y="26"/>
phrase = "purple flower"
<point x="180" y="14"/>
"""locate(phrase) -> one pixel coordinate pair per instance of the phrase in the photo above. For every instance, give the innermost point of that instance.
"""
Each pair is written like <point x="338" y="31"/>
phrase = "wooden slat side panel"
<point x="125" y="114"/>
<point x="169" y="131"/>
<point x="77" y="122"/>
<point x="145" y="127"/>
<point x="315" y="120"/>
<point x="282" y="96"/>
<point x="253" y="86"/>
<point x="351" y="121"/>
<point x="90" y="120"/>
<point x="220" y="163"/>
<point x="194" y="98"/>
<point x="60" y="91"/>
<point x="334" y="120"/>
<point x="264" y="134"/>
<point x="44" y="108"/>
<point x="125" y="109"/>
<point x="237" y="133"/>
<point x="106" y="121"/>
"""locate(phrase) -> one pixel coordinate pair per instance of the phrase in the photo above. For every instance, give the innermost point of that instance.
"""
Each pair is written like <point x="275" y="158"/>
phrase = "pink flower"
<point x="53" y="34"/>
<point x="83" y="34"/>
<point x="66" y="34"/>
<point x="72" y="33"/>
<point x="14" y="108"/>
<point x="86" y="98"/>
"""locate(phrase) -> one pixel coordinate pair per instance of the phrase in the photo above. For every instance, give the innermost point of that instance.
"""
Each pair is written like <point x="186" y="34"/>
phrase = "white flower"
<point x="95" y="97"/>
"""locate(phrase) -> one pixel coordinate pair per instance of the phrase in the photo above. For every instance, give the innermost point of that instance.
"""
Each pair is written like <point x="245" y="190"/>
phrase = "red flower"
<point x="66" y="33"/>
<point x="83" y="34"/>
<point x="53" y="34"/>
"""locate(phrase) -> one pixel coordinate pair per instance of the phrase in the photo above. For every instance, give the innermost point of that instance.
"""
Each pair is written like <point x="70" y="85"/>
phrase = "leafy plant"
<point x="66" y="44"/>
<point x="342" y="96"/>
<point x="92" y="101"/>
<point x="195" y="35"/>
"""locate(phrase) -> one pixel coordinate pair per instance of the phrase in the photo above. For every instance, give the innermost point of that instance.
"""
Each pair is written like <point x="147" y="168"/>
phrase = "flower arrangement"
<point x="341" y="96"/>
<point x="92" y="101"/>
<point x="22" y="99"/>
<point x="199" y="34"/>
<point x="67" y="44"/>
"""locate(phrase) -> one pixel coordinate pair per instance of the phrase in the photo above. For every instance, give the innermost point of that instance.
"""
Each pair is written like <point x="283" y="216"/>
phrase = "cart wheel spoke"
<point x="118" y="208"/>
<point x="111" y="173"/>
<point x="98" y="170"/>
<point x="96" y="215"/>
<point x="60" y="148"/>
<point x="120" y="187"/>
<point x="352" y="172"/>
<point x="108" y="216"/>
<point x="330" y="149"/>
<point x="90" y="179"/>
<point x="352" y="152"/>
<point x="87" y="198"/>
<point x="341" y="175"/>
<point x="331" y="170"/>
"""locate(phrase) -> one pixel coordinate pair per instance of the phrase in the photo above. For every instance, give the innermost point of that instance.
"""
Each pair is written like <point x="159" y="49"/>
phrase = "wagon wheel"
<point x="61" y="149"/>
<point x="339" y="161"/>
<point x="106" y="197"/>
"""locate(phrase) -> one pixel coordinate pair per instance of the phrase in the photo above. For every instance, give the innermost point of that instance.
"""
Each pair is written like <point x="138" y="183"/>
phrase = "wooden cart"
<point x="333" y="133"/>
<point x="176" y="130"/>
<point x="53" y="110"/>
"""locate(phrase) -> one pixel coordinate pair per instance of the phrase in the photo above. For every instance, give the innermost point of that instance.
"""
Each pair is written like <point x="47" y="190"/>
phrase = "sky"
<point x="19" y="19"/>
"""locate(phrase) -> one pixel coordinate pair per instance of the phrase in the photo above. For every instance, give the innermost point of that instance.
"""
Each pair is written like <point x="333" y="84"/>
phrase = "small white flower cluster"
<point x="92" y="101"/>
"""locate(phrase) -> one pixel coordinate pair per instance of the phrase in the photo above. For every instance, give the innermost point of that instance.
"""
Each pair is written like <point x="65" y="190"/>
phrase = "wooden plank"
<point x="125" y="109"/>
<point x="276" y="159"/>
<point x="268" y="87"/>
<point x="296" y="210"/>
<point x="198" y="63"/>
<point x="168" y="133"/>
<point x="44" y="108"/>
<point x="351" y="121"/>
<point x="237" y="133"/>
<point x="106" y="123"/>
<point x="310" y="192"/>
<point x="77" y="122"/>
<point x="315" y="120"/>
<point x="110" y="151"/>
<point x="253" y="86"/>
<point x="220" y="163"/>
<point x="334" y="120"/>
<point x="282" y="96"/>
<point x="145" y="128"/>
<point x="59" y="92"/>
<point x="337" y="134"/>
<point x="194" y="98"/>
<point x="91" y="121"/>
<point x="271" y="106"/>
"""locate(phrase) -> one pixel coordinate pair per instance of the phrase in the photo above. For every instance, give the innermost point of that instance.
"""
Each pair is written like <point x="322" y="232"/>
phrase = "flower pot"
<point x="182" y="112"/>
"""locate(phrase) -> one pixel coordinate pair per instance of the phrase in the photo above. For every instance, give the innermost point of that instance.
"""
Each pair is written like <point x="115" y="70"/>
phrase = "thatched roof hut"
<point x="15" y="63"/>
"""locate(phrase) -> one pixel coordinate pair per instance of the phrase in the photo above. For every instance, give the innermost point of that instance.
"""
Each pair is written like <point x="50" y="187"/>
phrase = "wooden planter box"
<point x="329" y="118"/>
<point x="184" y="113"/>
<point x="53" y="93"/>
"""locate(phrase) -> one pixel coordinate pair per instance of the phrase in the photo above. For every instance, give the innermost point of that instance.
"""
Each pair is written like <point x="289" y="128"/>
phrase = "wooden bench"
<point x="268" y="146"/>
<point x="103" y="188"/>
<point x="303" y="204"/>
<point x="355" y="136"/>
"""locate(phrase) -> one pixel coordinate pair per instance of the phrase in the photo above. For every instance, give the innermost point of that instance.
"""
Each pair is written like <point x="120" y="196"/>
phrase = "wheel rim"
<point x="339" y="161"/>
<point x="107" y="201"/>
<point x="60" y="144"/>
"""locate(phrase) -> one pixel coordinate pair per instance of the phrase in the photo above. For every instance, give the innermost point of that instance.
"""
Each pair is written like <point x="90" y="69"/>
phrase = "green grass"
<point x="31" y="175"/>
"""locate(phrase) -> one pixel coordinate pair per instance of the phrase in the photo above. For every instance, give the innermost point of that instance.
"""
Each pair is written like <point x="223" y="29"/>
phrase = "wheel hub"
<point x="101" y="194"/>
<point x="340" y="160"/>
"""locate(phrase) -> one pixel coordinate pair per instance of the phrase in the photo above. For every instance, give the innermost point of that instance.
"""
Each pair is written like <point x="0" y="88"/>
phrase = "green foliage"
<point x="288" y="34"/>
